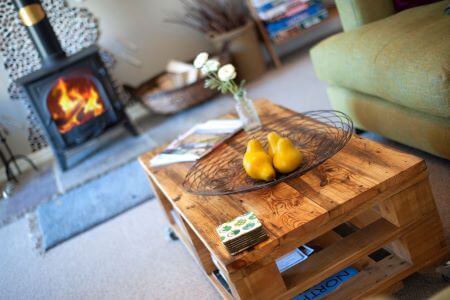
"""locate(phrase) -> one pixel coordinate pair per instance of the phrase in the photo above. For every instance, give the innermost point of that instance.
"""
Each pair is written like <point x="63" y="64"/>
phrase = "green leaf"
<point x="209" y="83"/>
<point x="212" y="84"/>
<point x="248" y="226"/>
<point x="227" y="228"/>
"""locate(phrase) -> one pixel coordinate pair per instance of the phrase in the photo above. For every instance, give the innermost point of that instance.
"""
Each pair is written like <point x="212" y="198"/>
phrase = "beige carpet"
<point x="129" y="256"/>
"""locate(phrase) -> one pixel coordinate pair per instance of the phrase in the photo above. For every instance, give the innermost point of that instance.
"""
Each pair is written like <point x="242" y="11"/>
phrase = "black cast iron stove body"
<point x="73" y="96"/>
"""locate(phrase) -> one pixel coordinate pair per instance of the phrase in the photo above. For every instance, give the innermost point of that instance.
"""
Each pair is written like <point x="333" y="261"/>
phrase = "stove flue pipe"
<point x="41" y="32"/>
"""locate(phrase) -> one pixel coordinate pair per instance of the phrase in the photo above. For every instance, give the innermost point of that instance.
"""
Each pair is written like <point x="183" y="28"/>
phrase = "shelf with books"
<point x="296" y="32"/>
<point x="355" y="249"/>
<point x="282" y="21"/>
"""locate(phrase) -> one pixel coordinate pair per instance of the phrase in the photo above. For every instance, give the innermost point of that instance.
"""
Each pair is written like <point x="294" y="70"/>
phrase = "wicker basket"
<point x="173" y="101"/>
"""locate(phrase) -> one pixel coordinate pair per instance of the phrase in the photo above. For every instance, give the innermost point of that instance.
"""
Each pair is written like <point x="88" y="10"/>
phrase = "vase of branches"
<point x="226" y="23"/>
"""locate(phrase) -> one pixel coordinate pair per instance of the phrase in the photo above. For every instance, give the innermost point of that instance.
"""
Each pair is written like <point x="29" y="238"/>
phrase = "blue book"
<point x="294" y="20"/>
<point x="308" y="22"/>
<point x="270" y="5"/>
<point x="327" y="286"/>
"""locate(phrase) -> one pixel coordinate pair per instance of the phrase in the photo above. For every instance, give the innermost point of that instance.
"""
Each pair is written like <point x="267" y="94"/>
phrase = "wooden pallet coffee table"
<point x="382" y="196"/>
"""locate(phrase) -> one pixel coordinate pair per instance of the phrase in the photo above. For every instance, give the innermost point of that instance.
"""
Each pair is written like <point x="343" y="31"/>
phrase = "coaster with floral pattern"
<point x="239" y="227"/>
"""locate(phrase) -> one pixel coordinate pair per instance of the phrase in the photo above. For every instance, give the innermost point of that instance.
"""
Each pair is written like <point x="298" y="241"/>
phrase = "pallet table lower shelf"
<point x="369" y="207"/>
<point x="334" y="252"/>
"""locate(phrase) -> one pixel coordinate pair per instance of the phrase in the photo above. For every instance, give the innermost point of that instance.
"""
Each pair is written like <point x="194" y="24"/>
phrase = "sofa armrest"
<point x="355" y="13"/>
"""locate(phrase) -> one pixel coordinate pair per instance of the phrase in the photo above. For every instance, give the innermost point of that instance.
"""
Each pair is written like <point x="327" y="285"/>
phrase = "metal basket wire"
<point x="318" y="134"/>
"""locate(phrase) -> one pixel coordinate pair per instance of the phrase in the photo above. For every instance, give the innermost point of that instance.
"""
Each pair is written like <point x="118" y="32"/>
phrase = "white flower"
<point x="211" y="65"/>
<point x="227" y="73"/>
<point x="200" y="60"/>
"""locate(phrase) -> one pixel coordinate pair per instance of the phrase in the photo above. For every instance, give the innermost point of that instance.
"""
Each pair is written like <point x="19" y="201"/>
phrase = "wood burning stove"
<point x="73" y="96"/>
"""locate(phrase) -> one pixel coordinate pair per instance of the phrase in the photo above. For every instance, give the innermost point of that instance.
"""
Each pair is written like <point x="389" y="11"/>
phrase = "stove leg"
<point x="130" y="126"/>
<point x="62" y="161"/>
<point x="9" y="173"/>
<point x="15" y="158"/>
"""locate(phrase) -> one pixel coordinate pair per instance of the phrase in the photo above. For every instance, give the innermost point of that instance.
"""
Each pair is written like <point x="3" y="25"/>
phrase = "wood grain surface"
<point x="302" y="208"/>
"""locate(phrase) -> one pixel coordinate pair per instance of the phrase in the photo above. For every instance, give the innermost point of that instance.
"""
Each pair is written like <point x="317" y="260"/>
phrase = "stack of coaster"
<point x="241" y="233"/>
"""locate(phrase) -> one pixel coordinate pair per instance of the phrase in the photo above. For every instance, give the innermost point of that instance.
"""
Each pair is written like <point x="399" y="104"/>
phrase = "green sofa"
<point x="391" y="71"/>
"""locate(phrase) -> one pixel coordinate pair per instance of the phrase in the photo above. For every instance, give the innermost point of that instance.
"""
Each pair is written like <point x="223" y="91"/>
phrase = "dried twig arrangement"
<point x="211" y="16"/>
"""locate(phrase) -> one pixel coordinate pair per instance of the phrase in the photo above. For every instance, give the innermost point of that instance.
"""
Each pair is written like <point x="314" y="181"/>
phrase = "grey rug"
<point x="89" y="205"/>
<point x="120" y="148"/>
<point x="35" y="189"/>
<point x="63" y="205"/>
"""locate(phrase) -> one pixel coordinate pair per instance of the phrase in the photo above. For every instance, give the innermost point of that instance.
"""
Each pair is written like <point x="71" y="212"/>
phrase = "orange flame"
<point x="73" y="102"/>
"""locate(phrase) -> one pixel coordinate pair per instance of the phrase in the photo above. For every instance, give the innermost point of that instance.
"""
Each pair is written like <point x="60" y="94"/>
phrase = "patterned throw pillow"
<point x="405" y="4"/>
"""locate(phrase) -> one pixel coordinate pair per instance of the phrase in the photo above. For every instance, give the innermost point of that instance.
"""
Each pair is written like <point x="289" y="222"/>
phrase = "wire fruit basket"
<point x="318" y="134"/>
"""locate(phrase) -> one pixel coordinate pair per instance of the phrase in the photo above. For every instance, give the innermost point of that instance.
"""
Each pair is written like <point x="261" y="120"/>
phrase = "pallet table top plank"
<point x="289" y="210"/>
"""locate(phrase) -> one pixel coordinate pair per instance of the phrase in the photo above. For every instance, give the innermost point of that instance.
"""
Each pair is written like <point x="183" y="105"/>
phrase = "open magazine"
<point x="197" y="142"/>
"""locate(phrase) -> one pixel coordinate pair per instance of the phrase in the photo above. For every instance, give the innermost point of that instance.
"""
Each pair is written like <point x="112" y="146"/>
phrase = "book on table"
<point x="197" y="142"/>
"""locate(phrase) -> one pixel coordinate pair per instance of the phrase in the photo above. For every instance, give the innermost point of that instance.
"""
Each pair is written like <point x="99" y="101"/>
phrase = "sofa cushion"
<point x="404" y="58"/>
<point x="410" y="127"/>
<point x="355" y="13"/>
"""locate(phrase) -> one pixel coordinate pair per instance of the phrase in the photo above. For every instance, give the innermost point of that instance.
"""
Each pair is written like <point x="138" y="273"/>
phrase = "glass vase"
<point x="247" y="112"/>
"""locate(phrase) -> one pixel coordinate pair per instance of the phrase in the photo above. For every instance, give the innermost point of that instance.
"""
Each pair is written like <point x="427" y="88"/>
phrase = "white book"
<point x="291" y="259"/>
<point x="197" y="142"/>
<point x="294" y="257"/>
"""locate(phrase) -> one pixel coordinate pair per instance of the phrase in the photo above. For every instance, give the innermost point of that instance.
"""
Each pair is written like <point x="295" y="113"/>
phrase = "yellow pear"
<point x="257" y="163"/>
<point x="273" y="139"/>
<point x="287" y="158"/>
